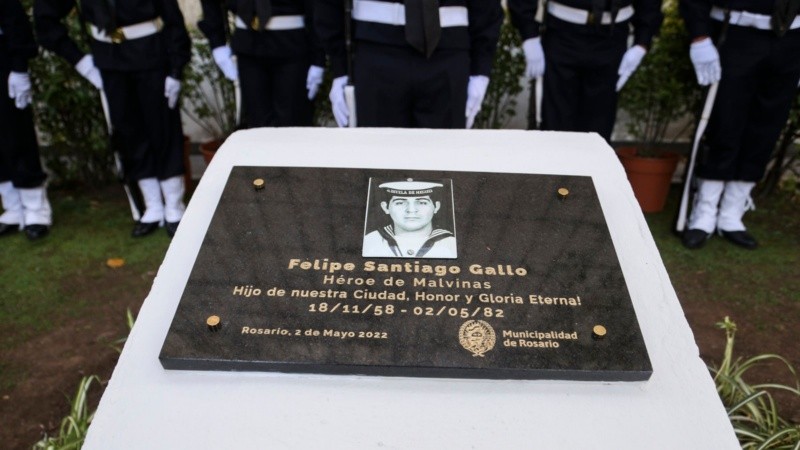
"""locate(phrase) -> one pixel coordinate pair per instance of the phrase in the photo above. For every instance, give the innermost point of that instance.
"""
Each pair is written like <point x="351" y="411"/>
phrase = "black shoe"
<point x="144" y="228"/>
<point x="740" y="238"/>
<point x="172" y="227"/>
<point x="35" y="232"/>
<point x="8" y="228"/>
<point x="694" y="238"/>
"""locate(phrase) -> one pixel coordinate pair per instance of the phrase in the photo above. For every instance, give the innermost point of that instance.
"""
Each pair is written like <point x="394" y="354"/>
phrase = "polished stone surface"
<point x="556" y="278"/>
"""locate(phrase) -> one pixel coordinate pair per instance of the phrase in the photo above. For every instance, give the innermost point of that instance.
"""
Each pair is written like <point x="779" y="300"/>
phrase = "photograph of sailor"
<point x="410" y="219"/>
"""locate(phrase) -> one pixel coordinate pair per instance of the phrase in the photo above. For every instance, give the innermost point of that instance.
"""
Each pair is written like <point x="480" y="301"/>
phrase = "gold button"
<point x="259" y="184"/>
<point x="599" y="332"/>
<point x="213" y="323"/>
<point x="563" y="193"/>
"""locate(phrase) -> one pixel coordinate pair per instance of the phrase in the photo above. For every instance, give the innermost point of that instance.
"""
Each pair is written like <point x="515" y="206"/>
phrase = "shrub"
<point x="751" y="408"/>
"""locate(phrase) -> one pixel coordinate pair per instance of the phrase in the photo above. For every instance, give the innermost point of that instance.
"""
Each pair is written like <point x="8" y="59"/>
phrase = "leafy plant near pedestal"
<point x="751" y="408"/>
<point x="74" y="427"/>
<point x="664" y="88"/>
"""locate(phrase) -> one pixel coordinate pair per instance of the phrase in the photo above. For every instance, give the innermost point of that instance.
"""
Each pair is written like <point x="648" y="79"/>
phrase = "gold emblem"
<point x="117" y="36"/>
<point x="476" y="336"/>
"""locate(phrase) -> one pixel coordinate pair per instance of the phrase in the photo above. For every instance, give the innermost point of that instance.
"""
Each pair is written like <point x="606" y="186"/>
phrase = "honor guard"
<point x="583" y="56"/>
<point x="752" y="49"/>
<point x="138" y="51"/>
<point x="22" y="189"/>
<point x="415" y="63"/>
<point x="279" y="59"/>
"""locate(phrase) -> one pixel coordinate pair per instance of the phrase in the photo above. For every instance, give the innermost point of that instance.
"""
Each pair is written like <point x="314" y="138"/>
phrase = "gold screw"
<point x="213" y="323"/>
<point x="563" y="193"/>
<point x="599" y="332"/>
<point x="259" y="184"/>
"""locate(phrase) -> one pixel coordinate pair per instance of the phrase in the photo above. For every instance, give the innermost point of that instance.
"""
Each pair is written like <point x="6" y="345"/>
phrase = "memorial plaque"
<point x="408" y="273"/>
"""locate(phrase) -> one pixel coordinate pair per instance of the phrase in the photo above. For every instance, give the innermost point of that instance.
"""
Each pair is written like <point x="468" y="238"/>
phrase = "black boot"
<point x="8" y="228"/>
<point x="694" y="238"/>
<point x="171" y="227"/>
<point x="144" y="228"/>
<point x="34" y="232"/>
<point x="741" y="238"/>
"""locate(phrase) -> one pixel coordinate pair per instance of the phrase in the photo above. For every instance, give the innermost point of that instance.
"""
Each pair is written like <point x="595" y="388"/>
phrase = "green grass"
<point x="43" y="280"/>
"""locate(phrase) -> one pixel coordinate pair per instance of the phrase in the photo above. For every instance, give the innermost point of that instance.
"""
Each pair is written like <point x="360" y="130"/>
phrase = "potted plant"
<point x="661" y="91"/>
<point x="208" y="98"/>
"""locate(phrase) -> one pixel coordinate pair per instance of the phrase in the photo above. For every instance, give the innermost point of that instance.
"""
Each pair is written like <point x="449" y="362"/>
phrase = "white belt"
<point x="748" y="19"/>
<point x="129" y="32"/>
<point x="275" y="23"/>
<point x="583" y="17"/>
<point x="395" y="13"/>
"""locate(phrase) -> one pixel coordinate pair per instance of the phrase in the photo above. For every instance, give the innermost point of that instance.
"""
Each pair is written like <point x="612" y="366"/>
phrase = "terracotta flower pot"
<point x="650" y="177"/>
<point x="209" y="149"/>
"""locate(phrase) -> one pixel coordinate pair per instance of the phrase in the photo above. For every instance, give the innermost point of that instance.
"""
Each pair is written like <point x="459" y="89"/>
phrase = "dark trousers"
<point x="19" y="152"/>
<point x="581" y="64"/>
<point x="147" y="132"/>
<point x="760" y="72"/>
<point x="274" y="92"/>
<point x="398" y="87"/>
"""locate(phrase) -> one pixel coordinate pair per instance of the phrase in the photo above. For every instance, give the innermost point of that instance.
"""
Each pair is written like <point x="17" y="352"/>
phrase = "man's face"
<point x="410" y="213"/>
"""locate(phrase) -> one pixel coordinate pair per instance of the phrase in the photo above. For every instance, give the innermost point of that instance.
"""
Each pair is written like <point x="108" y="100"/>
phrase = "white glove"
<point x="313" y="80"/>
<point x="534" y="57"/>
<point x="224" y="59"/>
<point x="172" y="88"/>
<point x="19" y="88"/>
<point x="705" y="58"/>
<point x="338" y="104"/>
<point x="87" y="69"/>
<point x="476" y="90"/>
<point x="630" y="61"/>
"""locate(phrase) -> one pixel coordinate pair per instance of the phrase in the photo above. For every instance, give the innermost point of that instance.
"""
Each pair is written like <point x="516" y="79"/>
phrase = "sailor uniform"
<point x="760" y="70"/>
<point x="140" y="48"/>
<point x="384" y="243"/>
<point x="412" y="60"/>
<point x="274" y="50"/>
<point x="22" y="189"/>
<point x="136" y="44"/>
<point x="583" y="47"/>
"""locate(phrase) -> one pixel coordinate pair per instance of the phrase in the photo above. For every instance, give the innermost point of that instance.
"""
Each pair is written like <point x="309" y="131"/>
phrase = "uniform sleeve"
<point x="213" y="22"/>
<point x="646" y="21"/>
<point x="523" y="17"/>
<point x="315" y="46"/>
<point x="176" y="37"/>
<point x="48" y="18"/>
<point x="17" y="29"/>
<point x="485" y="19"/>
<point x="329" y="25"/>
<point x="696" y="15"/>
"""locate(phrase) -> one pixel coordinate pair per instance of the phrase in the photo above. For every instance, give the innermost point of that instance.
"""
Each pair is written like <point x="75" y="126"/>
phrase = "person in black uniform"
<point x="757" y="65"/>
<point x="22" y="188"/>
<point x="140" y="48"/>
<point x="584" y="56"/>
<point x="416" y="63"/>
<point x="280" y="60"/>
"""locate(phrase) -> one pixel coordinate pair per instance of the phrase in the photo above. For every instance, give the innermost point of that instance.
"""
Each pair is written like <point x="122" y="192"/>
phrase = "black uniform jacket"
<point x="171" y="47"/>
<point x="16" y="43"/>
<point x="696" y="12"/>
<point x="646" y="18"/>
<point x="267" y="43"/>
<point x="479" y="38"/>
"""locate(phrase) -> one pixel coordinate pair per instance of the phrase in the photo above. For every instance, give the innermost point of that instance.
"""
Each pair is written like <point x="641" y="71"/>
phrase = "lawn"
<point x="62" y="306"/>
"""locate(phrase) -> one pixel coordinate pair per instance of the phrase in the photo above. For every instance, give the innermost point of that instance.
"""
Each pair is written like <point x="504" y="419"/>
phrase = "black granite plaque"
<point x="522" y="280"/>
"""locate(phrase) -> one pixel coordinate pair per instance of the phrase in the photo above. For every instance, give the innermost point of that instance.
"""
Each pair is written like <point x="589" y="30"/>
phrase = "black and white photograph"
<point x="410" y="219"/>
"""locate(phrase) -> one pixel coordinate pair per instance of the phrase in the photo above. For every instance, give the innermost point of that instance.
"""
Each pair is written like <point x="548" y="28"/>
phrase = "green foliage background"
<point x="69" y="117"/>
